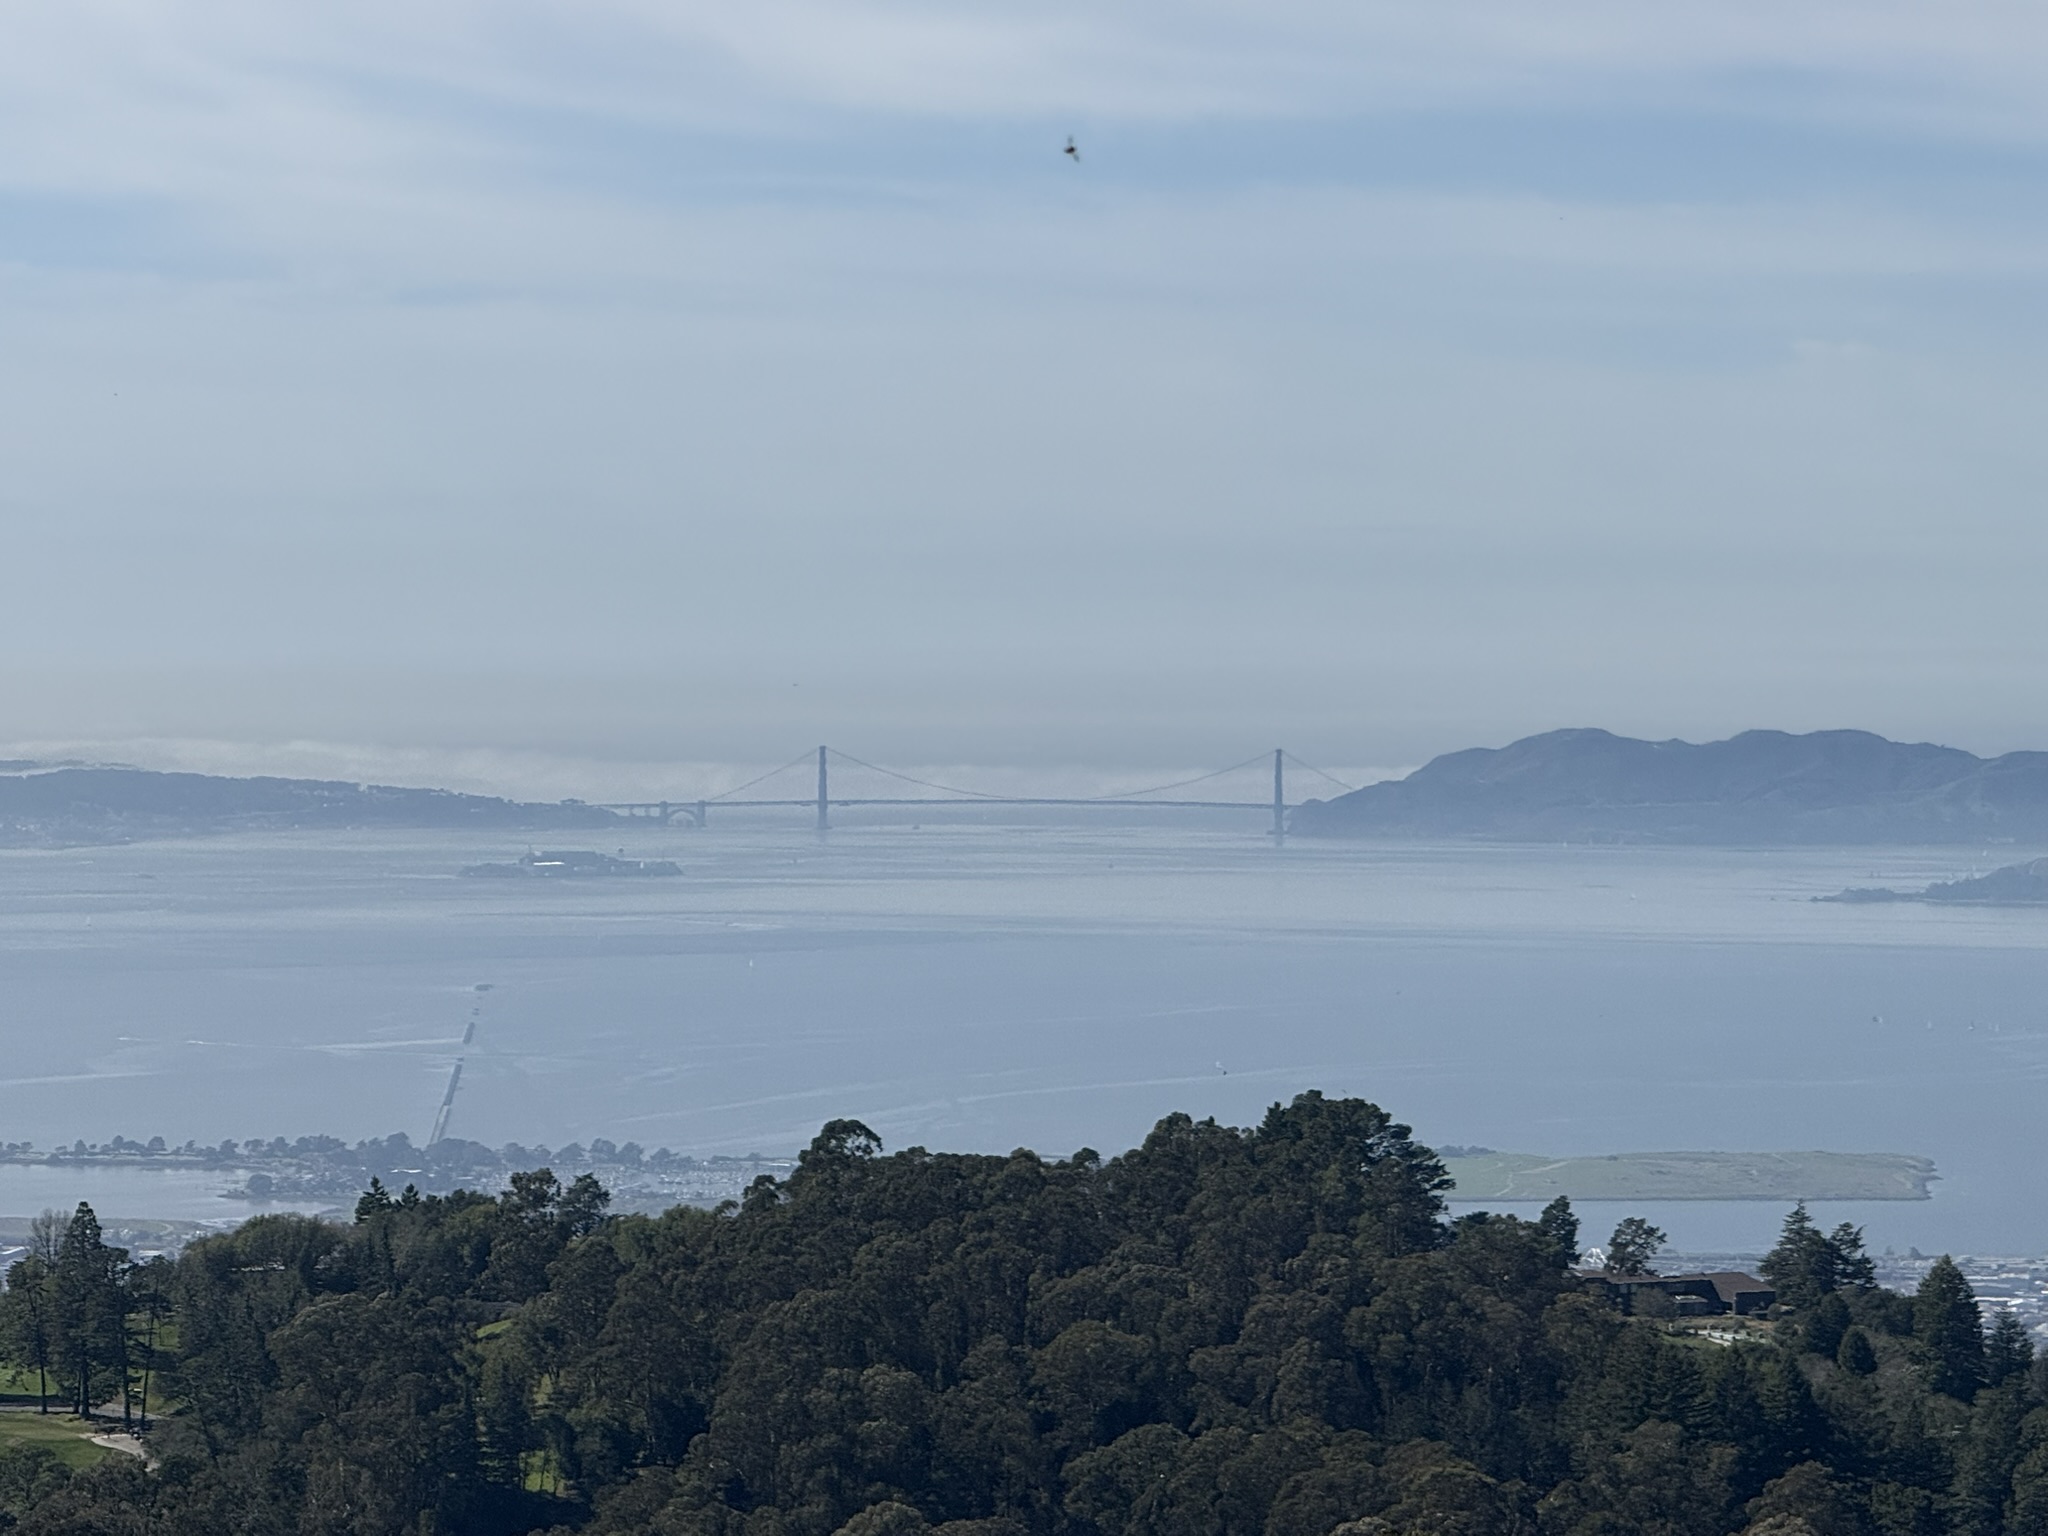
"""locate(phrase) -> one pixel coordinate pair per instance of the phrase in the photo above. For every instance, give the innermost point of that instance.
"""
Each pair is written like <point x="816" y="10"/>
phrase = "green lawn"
<point x="59" y="1432"/>
<point x="17" y="1386"/>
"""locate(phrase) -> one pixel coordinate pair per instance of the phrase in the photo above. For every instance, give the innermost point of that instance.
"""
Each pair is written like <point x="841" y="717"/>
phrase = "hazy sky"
<point x="705" y="380"/>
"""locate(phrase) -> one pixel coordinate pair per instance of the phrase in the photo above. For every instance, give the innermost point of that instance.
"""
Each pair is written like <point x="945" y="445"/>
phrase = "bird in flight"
<point x="1072" y="152"/>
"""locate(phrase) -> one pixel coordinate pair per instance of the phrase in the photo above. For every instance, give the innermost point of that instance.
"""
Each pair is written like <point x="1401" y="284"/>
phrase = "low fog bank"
<point x="544" y="776"/>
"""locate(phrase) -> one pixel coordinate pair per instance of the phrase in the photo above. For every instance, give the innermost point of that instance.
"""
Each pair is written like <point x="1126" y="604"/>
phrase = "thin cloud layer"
<point x="1397" y="373"/>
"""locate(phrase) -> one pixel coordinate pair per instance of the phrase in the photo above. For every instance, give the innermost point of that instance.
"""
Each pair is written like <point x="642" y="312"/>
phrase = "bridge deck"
<point x="629" y="806"/>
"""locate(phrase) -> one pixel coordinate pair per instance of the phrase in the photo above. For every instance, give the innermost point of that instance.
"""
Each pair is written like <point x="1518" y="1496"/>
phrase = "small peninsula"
<point x="2016" y="885"/>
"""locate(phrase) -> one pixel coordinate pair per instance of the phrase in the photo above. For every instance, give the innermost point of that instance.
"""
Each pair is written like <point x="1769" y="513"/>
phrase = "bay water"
<point x="979" y="985"/>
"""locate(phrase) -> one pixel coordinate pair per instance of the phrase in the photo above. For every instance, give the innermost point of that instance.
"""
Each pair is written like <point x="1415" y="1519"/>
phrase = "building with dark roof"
<point x="1698" y="1295"/>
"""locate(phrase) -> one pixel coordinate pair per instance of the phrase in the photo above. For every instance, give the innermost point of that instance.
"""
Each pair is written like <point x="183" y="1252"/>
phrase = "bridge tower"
<point x="1279" y="796"/>
<point x="824" y="823"/>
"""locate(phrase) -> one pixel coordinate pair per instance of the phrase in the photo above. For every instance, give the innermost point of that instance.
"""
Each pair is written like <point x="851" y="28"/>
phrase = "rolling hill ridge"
<point x="1758" y="787"/>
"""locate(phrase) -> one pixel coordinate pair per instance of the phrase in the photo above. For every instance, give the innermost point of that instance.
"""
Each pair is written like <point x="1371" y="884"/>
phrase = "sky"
<point x="464" y="386"/>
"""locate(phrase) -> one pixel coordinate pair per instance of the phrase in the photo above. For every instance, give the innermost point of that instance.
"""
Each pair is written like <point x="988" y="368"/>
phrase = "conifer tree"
<point x="28" y="1334"/>
<point x="1948" y="1332"/>
<point x="1852" y="1268"/>
<point x="1634" y="1243"/>
<point x="89" y="1312"/>
<point x="1800" y="1267"/>
<point x="1561" y="1226"/>
<point x="2008" y="1351"/>
<point x="373" y="1200"/>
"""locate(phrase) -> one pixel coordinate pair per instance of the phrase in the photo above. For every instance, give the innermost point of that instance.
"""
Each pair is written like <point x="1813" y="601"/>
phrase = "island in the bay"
<point x="1483" y="1174"/>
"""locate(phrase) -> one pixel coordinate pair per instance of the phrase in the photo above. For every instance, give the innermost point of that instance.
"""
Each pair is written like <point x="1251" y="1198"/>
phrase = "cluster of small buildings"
<point x="1713" y="1285"/>
<point x="1716" y="1293"/>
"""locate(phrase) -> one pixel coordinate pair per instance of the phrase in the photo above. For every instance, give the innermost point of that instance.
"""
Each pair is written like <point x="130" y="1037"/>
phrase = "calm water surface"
<point x="980" y="987"/>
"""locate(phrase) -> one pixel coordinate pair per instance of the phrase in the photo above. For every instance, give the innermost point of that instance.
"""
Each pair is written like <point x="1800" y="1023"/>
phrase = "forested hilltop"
<point x="1267" y="1332"/>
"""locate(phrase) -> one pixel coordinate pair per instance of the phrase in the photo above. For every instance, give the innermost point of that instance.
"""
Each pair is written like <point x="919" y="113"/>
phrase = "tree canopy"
<point x="1270" y="1331"/>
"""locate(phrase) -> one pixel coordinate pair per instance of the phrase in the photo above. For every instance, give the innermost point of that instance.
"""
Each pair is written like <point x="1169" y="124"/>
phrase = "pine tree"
<point x="28" y="1337"/>
<point x="1853" y="1269"/>
<point x="1986" y="1455"/>
<point x="89" y="1312"/>
<point x="2008" y="1351"/>
<point x="1801" y="1267"/>
<point x="1948" y="1332"/>
<point x="374" y="1200"/>
<point x="1562" y="1228"/>
<point x="1634" y="1243"/>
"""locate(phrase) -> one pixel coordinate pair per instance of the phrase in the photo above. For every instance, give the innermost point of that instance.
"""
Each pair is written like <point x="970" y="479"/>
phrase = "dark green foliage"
<point x="1812" y="1496"/>
<point x="2008" y="1351"/>
<point x="1854" y="1269"/>
<point x="1267" y="1332"/>
<point x="1948" y="1331"/>
<point x="1882" y="1312"/>
<point x="373" y="1201"/>
<point x="70" y="1318"/>
<point x="1561" y="1226"/>
<point x="1808" y="1264"/>
<point x="1826" y="1325"/>
<point x="1854" y="1354"/>
<point x="29" y="1476"/>
<point x="1634" y="1243"/>
<point x="28" y="1323"/>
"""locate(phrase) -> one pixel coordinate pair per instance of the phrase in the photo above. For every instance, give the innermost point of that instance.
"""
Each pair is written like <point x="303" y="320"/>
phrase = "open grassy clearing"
<point x="18" y="1386"/>
<point x="57" y="1432"/>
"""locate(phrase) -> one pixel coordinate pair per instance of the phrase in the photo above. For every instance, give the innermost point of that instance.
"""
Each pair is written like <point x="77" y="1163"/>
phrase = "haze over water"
<point x="979" y="987"/>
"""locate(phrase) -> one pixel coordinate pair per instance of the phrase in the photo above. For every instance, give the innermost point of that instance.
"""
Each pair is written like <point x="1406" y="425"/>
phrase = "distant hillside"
<point x="92" y="805"/>
<point x="1759" y="787"/>
<point x="2016" y="885"/>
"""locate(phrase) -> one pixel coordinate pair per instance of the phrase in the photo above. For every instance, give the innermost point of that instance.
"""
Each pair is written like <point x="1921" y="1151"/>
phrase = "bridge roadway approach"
<point x="697" y="811"/>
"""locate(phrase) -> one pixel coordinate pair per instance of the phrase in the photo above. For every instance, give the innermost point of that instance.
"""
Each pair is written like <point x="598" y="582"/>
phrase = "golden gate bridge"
<point x="821" y="800"/>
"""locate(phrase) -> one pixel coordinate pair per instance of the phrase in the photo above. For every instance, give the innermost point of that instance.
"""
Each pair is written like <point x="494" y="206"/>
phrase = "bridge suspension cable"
<point x="1200" y="778"/>
<point x="1349" y="789"/>
<point x="823" y="800"/>
<point x="982" y="794"/>
<point x="950" y="789"/>
<point x="759" y="778"/>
